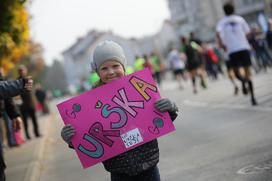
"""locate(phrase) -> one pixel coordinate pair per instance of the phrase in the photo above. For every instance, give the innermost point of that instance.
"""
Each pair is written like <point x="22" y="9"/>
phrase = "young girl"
<point x="139" y="163"/>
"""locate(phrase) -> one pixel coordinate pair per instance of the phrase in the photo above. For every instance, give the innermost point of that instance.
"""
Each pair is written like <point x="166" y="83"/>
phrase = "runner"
<point x="232" y="31"/>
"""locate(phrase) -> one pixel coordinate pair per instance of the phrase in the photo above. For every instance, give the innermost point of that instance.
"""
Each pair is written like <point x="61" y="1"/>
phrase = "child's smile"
<point x="110" y="70"/>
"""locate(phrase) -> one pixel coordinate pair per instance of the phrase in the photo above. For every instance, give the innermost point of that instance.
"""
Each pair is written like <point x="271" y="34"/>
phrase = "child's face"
<point x="110" y="70"/>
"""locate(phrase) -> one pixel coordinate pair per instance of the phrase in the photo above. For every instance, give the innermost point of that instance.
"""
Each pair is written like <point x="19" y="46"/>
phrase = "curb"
<point x="35" y="167"/>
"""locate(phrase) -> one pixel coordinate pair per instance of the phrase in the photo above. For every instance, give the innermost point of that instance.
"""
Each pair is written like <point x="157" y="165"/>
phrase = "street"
<point x="218" y="137"/>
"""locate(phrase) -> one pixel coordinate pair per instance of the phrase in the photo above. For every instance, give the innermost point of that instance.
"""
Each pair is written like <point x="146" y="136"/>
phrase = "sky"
<point x="56" y="24"/>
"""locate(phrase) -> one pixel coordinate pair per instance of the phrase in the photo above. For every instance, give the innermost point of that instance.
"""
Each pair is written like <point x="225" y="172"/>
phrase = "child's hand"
<point x="165" y="104"/>
<point x="67" y="132"/>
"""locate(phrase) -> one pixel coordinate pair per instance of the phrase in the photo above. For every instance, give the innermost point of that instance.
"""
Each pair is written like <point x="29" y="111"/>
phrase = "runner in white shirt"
<point x="177" y="65"/>
<point x="232" y="32"/>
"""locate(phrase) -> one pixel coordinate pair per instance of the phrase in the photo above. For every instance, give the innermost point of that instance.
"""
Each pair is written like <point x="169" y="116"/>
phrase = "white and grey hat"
<point x="107" y="50"/>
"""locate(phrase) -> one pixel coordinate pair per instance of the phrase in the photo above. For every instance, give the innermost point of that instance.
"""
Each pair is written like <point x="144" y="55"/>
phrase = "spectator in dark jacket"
<point x="28" y="106"/>
<point x="9" y="89"/>
<point x="8" y="111"/>
<point x="41" y="96"/>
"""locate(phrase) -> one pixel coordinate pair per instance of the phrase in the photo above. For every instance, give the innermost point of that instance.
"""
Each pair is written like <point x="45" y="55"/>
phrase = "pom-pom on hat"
<point x="107" y="50"/>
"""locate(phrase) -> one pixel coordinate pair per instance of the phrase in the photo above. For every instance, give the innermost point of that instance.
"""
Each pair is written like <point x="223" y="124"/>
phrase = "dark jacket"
<point x="9" y="106"/>
<point x="40" y="95"/>
<point x="11" y="88"/>
<point x="27" y="99"/>
<point x="136" y="160"/>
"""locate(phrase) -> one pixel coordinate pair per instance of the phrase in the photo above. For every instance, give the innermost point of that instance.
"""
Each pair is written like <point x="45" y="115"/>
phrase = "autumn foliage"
<point x="14" y="33"/>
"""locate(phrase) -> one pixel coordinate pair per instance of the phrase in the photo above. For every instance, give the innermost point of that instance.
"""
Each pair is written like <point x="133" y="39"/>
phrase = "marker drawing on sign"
<point x="97" y="153"/>
<point x="106" y="112"/>
<point x="141" y="86"/>
<point x="102" y="135"/>
<point x="97" y="135"/>
<point x="159" y="114"/>
<point x="127" y="105"/>
<point x="158" y="123"/>
<point x="98" y="104"/>
<point x="71" y="114"/>
<point x="76" y="108"/>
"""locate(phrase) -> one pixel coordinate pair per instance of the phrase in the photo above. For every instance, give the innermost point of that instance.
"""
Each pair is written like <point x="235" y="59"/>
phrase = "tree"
<point x="14" y="33"/>
<point x="34" y="61"/>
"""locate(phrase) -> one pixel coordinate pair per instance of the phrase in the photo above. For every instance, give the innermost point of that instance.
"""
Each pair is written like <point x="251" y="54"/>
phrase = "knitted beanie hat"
<point x="107" y="50"/>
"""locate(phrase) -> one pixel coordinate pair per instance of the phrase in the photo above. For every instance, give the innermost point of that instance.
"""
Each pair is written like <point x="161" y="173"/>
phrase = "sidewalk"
<point x="23" y="161"/>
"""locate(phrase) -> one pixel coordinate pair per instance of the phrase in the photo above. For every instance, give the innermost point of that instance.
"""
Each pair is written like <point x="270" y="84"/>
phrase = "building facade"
<point x="201" y="16"/>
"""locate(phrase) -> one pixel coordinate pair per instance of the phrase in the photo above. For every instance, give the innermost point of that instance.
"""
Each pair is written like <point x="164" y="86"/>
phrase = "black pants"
<point x="2" y="175"/>
<point x="151" y="174"/>
<point x="2" y="164"/>
<point x="30" y="112"/>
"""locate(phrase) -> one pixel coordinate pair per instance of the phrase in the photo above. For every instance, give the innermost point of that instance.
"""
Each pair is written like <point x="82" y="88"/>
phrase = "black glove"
<point x="165" y="104"/>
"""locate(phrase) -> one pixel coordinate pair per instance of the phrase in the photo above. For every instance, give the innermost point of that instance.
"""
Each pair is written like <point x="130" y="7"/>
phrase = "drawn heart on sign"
<point x="98" y="105"/>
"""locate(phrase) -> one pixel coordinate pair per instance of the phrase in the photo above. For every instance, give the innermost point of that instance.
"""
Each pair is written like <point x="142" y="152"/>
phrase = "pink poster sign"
<point x="116" y="117"/>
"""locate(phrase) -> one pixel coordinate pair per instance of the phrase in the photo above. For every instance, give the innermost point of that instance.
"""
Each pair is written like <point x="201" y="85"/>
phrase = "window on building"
<point x="250" y="2"/>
